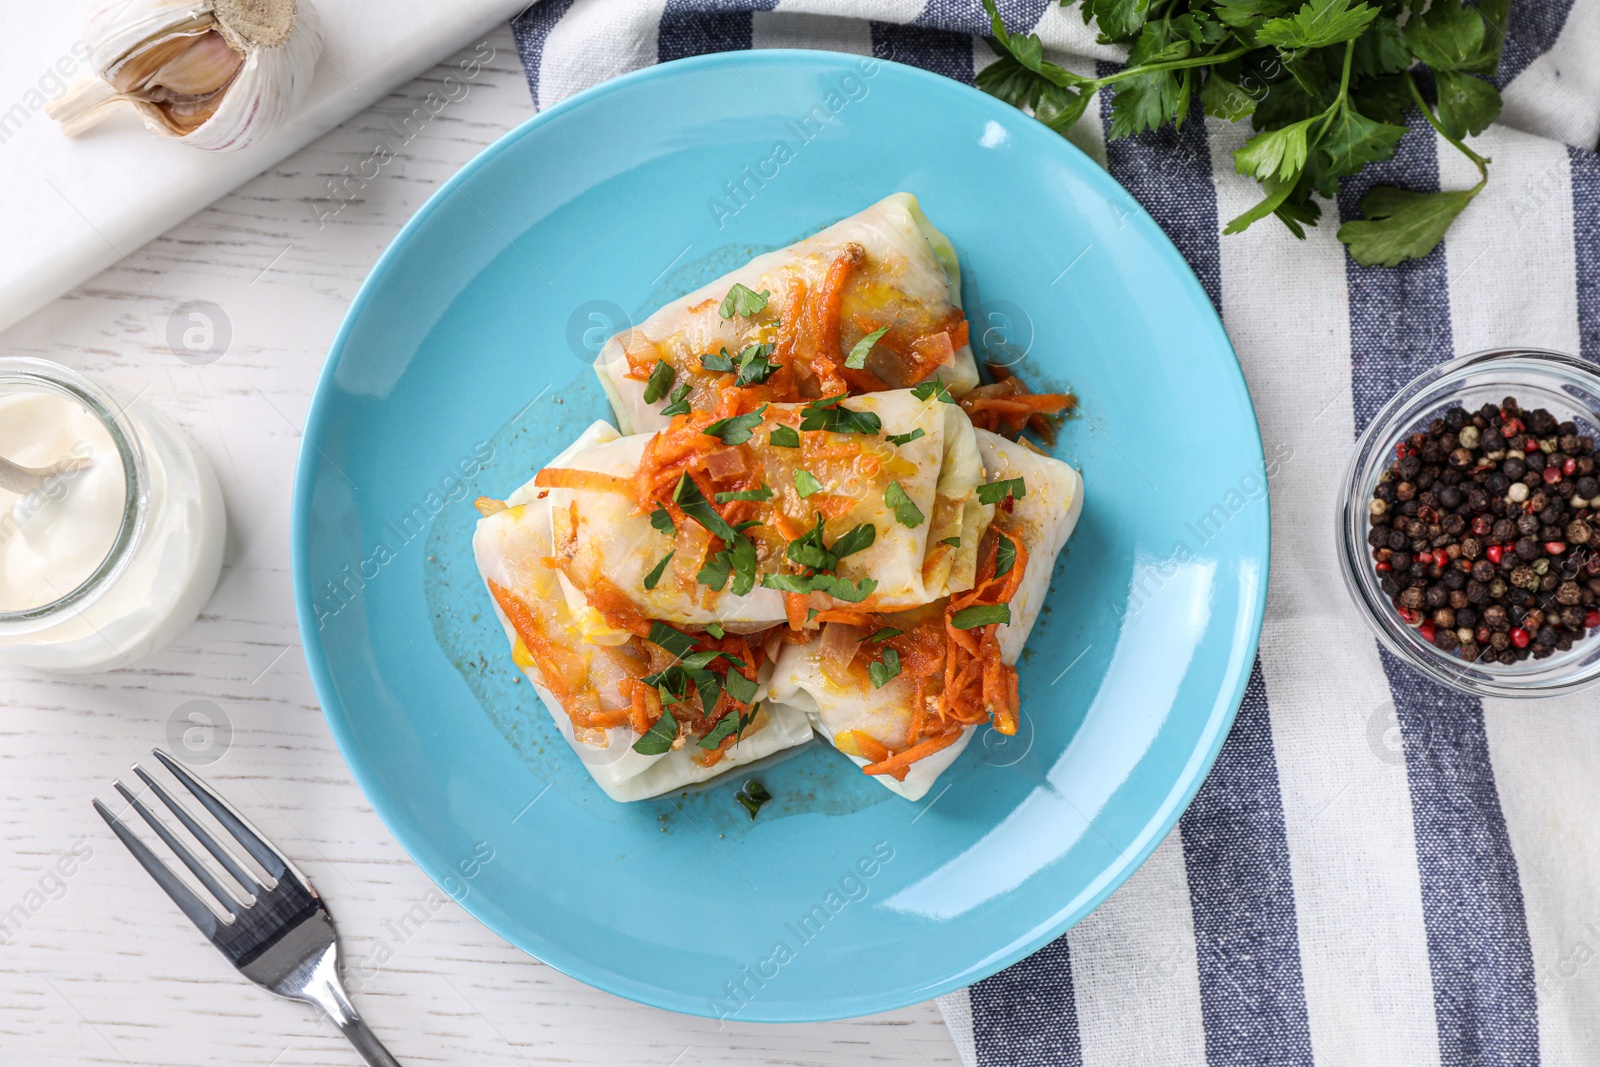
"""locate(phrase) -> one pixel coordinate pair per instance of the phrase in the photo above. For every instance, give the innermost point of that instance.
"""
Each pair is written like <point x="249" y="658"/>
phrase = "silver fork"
<point x="281" y="936"/>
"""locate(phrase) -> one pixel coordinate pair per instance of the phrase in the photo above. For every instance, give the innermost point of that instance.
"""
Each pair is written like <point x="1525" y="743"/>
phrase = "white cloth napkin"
<point x="69" y="208"/>
<point x="1378" y="872"/>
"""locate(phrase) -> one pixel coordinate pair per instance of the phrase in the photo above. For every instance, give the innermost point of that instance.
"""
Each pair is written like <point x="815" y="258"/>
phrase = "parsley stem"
<point x="1344" y="89"/>
<point x="1427" y="113"/>
<point x="1210" y="59"/>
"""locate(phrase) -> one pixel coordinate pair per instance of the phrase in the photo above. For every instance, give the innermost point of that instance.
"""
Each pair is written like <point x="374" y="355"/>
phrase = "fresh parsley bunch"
<point x="1326" y="83"/>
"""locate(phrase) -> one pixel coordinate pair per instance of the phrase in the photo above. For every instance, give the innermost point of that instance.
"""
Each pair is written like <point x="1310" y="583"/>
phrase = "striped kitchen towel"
<point x="1378" y="871"/>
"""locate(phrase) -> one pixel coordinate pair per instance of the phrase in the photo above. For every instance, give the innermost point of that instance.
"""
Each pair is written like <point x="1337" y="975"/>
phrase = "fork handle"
<point x="331" y="998"/>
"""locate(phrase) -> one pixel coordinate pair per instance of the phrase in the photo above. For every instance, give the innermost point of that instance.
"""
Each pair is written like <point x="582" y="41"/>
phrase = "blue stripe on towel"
<point x="696" y="27"/>
<point x="1586" y="246"/>
<point x="1483" y="979"/>
<point x="1027" y="1015"/>
<point x="1533" y="30"/>
<point x="1236" y="852"/>
<point x="1399" y="316"/>
<point x="530" y="30"/>
<point x="1478" y="949"/>
<point x="927" y="47"/>
<point x="1247" y="940"/>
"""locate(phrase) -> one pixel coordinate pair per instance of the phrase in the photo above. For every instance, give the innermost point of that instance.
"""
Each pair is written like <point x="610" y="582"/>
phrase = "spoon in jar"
<point x="16" y="478"/>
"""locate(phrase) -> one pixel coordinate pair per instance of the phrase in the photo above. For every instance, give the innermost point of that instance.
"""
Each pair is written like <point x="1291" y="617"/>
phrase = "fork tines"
<point x="285" y="891"/>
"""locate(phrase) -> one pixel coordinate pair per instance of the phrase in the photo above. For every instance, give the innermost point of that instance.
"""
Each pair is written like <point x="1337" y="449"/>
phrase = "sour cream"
<point x="53" y="538"/>
<point x="107" y="560"/>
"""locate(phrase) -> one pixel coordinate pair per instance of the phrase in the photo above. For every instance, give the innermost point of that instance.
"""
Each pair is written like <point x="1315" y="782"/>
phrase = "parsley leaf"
<point x="754" y="366"/>
<point x="741" y="300"/>
<point x="736" y="429"/>
<point x="651" y="579"/>
<point x="661" y="379"/>
<point x="854" y="540"/>
<point x="808" y="550"/>
<point x="784" y="437"/>
<point x="935" y="388"/>
<point x="1353" y="140"/>
<point x="882" y="635"/>
<point x="906" y="438"/>
<point x="679" y="401"/>
<point x="826" y="414"/>
<point x="805" y="483"/>
<point x="1279" y="153"/>
<point x="731" y="724"/>
<point x="659" y="738"/>
<point x="721" y="363"/>
<point x="715" y="570"/>
<point x="661" y="519"/>
<point x="673" y="640"/>
<point x="1466" y="104"/>
<point x="693" y="503"/>
<point x="742" y="554"/>
<point x="1005" y="556"/>
<point x="889" y="668"/>
<point x="1318" y="24"/>
<point x="995" y="492"/>
<point x="836" y="587"/>
<point x="715" y="631"/>
<point x="857" y="359"/>
<point x="1399" y="224"/>
<point x="981" y="615"/>
<point x="763" y="493"/>
<point x="953" y="542"/>
<point x="740" y="688"/>
<point x="905" y="509"/>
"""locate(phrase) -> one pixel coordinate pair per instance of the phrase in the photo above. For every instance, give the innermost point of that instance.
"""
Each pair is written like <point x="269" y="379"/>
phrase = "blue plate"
<point x="463" y="365"/>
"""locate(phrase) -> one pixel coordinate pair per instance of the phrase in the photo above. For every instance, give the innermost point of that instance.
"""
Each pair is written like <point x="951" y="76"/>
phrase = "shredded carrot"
<point x="572" y="478"/>
<point x="828" y="361"/>
<point x="1007" y="406"/>
<point x="869" y="747"/>
<point x="899" y="764"/>
<point x="851" y="618"/>
<point x="795" y="607"/>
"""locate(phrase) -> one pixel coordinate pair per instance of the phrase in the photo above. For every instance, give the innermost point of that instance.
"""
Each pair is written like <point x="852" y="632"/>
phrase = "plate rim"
<point x="575" y="966"/>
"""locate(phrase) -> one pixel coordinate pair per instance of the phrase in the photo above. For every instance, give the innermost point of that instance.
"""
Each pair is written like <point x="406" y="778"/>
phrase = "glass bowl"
<point x="1567" y="386"/>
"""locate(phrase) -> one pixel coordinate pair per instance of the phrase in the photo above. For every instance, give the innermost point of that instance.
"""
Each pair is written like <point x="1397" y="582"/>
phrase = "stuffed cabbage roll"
<point x="786" y="324"/>
<point x="773" y="516"/>
<point x="653" y="711"/>
<point x="901" y="693"/>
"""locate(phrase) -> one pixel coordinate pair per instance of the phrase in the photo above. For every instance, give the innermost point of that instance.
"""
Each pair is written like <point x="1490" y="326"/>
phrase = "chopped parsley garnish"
<point x="810" y="551"/>
<point x="752" y="796"/>
<point x="935" y="388"/>
<point x="854" y="540"/>
<point x="763" y="493"/>
<point x="995" y="492"/>
<point x="694" y="504"/>
<point x="826" y="414"/>
<point x="905" y="509"/>
<point x="784" y="437"/>
<point x="738" y="559"/>
<point x="715" y="570"/>
<point x="742" y="300"/>
<point x="906" y="438"/>
<point x="953" y="542"/>
<point x="882" y="673"/>
<point x="658" y="570"/>
<point x="981" y="615"/>
<point x="715" y="631"/>
<point x="857" y="359"/>
<point x="680" y="401"/>
<point x="696" y="661"/>
<point x="882" y="635"/>
<point x="805" y="483"/>
<point x="659" y="738"/>
<point x="740" y="688"/>
<point x="1005" y="556"/>
<point x="732" y="723"/>
<point x="736" y="430"/>
<point x="754" y="366"/>
<point x="659" y="382"/>
<point x="836" y="587"/>
<point x="662" y="521"/>
<point x="721" y="363"/>
<point x="673" y="640"/>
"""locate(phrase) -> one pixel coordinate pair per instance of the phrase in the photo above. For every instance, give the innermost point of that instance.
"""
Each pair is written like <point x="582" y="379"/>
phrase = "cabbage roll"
<point x="750" y="521"/>
<point x="785" y="324"/>
<point x="901" y="693"/>
<point x="644" y="713"/>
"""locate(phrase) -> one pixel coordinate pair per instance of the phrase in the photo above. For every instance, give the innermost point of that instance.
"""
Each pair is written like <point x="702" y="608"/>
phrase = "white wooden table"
<point x="100" y="967"/>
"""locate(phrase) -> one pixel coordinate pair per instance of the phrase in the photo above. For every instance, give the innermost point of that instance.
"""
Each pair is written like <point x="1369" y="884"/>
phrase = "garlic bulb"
<point x="214" y="74"/>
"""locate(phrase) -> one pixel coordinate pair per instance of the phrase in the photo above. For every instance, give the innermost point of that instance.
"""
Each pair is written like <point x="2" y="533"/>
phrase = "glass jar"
<point x="1569" y="388"/>
<point x="111" y="523"/>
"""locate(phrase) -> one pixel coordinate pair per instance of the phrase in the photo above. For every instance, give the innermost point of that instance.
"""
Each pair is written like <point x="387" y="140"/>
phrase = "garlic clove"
<point x="216" y="74"/>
